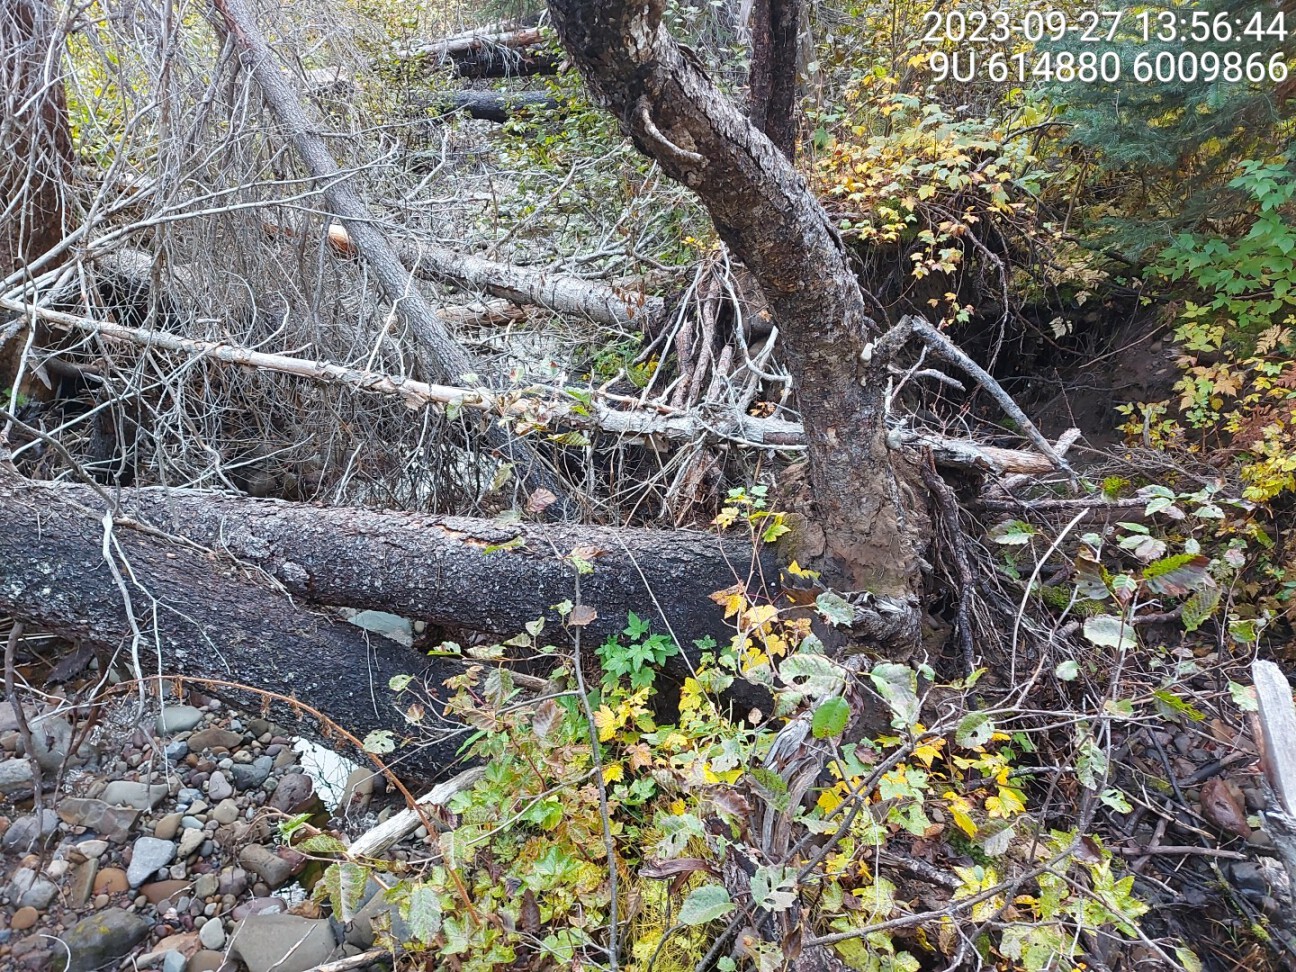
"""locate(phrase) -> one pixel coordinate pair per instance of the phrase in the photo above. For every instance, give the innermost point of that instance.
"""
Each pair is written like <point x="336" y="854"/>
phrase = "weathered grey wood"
<point x="1277" y="717"/>
<point x="443" y="358"/>
<point x="374" y="841"/>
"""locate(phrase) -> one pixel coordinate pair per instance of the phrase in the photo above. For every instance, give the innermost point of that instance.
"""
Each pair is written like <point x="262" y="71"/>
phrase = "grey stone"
<point x="187" y="795"/>
<point x="266" y="864"/>
<point x="218" y="787"/>
<point x="26" y="832"/>
<point x="292" y="794"/>
<point x="226" y="812"/>
<point x="174" y="961"/>
<point x="148" y="855"/>
<point x="1249" y="877"/>
<point x="113" y="823"/>
<point x="250" y="776"/>
<point x="51" y="741"/>
<point x="82" y="884"/>
<point x="233" y="881"/>
<point x="92" y="848"/>
<point x="131" y="793"/>
<point x="206" y="885"/>
<point x="190" y="841"/>
<point x="39" y="895"/>
<point x="178" y="718"/>
<point x="385" y="914"/>
<point x="285" y="943"/>
<point x="100" y="939"/>
<point x="15" y="777"/>
<point x="176" y="751"/>
<point x="212" y="934"/>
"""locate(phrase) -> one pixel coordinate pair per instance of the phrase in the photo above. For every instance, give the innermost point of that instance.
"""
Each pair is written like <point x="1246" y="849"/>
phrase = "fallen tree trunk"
<point x="458" y="571"/>
<point x="557" y="410"/>
<point x="192" y="614"/>
<point x="502" y="62"/>
<point x="493" y="106"/>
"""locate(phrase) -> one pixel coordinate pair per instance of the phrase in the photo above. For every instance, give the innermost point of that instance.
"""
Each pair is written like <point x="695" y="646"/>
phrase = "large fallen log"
<point x="492" y="106"/>
<point x="208" y="613"/>
<point x="461" y="572"/>
<point x="198" y="615"/>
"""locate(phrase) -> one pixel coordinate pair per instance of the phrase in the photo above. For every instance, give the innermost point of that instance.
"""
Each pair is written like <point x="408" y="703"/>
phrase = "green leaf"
<point x="1244" y="696"/>
<point x="379" y="742"/>
<point x="773" y="887"/>
<point x="344" y="884"/>
<point x="1109" y="631"/>
<point x="1244" y="631"/>
<point x="1115" y="799"/>
<point x="1177" y="574"/>
<point x="398" y="683"/>
<point x="321" y="844"/>
<point x="814" y="675"/>
<point x="1014" y="533"/>
<point x="1199" y="606"/>
<point x="974" y="729"/>
<point x="830" y="717"/>
<point x="898" y="686"/>
<point x="704" y="904"/>
<point x="770" y="787"/>
<point x="1172" y="705"/>
<point x="1067" y="671"/>
<point x="422" y="910"/>
<point x="836" y="610"/>
<point x="1188" y="959"/>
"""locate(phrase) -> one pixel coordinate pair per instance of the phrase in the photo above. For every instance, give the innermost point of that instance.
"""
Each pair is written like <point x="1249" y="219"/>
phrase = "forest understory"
<point x="787" y="509"/>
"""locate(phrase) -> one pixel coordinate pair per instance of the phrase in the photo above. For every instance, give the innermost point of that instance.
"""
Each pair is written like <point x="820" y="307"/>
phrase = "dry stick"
<point x="946" y="349"/>
<point x="20" y="716"/>
<point x="441" y="355"/>
<point x="359" y="961"/>
<point x="670" y="423"/>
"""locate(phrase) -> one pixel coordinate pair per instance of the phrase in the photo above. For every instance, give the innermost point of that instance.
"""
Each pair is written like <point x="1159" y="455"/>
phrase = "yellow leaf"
<point x="606" y="721"/>
<point x="613" y="773"/>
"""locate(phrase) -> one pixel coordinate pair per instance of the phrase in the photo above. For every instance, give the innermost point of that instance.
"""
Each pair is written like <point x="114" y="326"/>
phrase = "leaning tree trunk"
<point x="35" y="147"/>
<point x="869" y="523"/>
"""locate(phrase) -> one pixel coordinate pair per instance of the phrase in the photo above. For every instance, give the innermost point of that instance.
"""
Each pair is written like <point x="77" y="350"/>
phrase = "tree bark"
<point x="203" y="616"/>
<point x="763" y="209"/>
<point x="458" y="571"/>
<point x="35" y="147"/>
<point x="493" y="106"/>
<point x="772" y="81"/>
